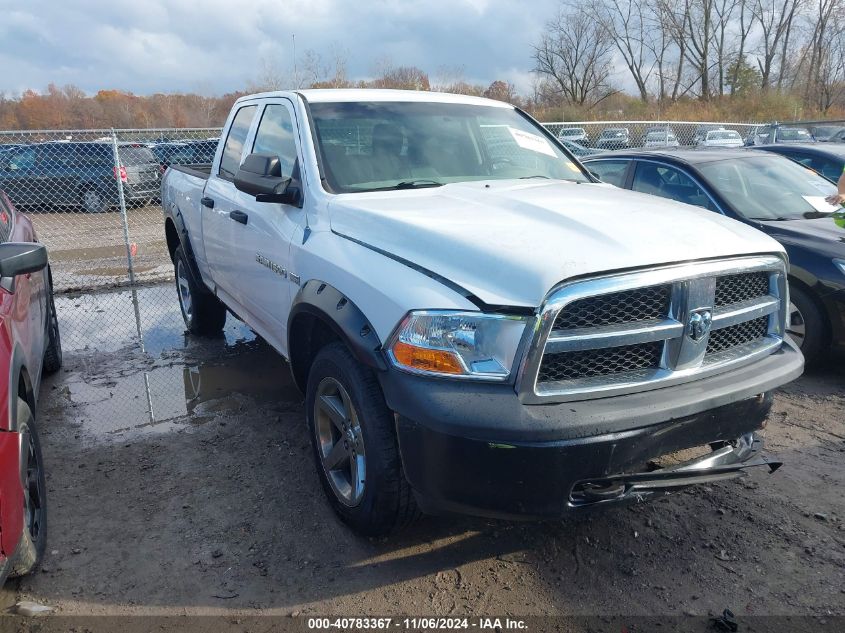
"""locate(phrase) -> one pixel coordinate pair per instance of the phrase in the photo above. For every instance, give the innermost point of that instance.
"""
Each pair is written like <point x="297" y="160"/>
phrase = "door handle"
<point x="239" y="216"/>
<point x="207" y="202"/>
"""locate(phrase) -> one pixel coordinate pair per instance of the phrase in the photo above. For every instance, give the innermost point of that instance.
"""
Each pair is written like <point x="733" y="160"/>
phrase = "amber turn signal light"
<point x="424" y="359"/>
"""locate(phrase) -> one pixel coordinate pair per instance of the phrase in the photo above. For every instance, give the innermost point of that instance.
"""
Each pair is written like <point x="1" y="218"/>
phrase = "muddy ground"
<point x="210" y="503"/>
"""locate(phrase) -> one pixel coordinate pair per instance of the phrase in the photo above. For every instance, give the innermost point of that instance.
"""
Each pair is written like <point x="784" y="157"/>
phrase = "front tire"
<point x="806" y="325"/>
<point x="202" y="312"/>
<point x="33" y="540"/>
<point x="355" y="446"/>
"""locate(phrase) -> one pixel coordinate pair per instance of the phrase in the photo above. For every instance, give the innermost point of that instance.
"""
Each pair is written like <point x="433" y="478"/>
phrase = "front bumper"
<point x="475" y="449"/>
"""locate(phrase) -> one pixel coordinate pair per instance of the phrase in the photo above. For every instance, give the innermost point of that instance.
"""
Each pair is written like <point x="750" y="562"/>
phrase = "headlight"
<point x="457" y="344"/>
<point x="840" y="264"/>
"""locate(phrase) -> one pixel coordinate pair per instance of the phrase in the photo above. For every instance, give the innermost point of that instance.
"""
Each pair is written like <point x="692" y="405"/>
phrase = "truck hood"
<point x="509" y="242"/>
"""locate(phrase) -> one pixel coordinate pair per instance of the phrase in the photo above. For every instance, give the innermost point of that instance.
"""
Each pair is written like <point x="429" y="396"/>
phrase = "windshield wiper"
<point x="416" y="184"/>
<point x="534" y="176"/>
<point x="776" y="219"/>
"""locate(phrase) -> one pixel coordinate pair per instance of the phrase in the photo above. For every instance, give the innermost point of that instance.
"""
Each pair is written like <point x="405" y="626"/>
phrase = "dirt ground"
<point x="210" y="505"/>
<point x="88" y="250"/>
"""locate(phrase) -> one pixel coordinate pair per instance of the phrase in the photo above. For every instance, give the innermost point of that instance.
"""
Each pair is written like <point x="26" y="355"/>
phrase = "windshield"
<point x="770" y="188"/>
<point x="660" y="136"/>
<point x="794" y="134"/>
<point x="723" y="135"/>
<point x="403" y="145"/>
<point x="572" y="131"/>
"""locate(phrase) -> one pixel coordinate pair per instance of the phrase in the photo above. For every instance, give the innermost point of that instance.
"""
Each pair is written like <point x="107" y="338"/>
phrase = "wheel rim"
<point x="55" y="335"/>
<point x="184" y="288"/>
<point x="31" y="480"/>
<point x="796" y="326"/>
<point x="340" y="441"/>
<point x="92" y="200"/>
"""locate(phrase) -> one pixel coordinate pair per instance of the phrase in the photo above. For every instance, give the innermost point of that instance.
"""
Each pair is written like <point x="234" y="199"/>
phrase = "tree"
<point x="627" y="24"/>
<point x="744" y="78"/>
<point x="501" y="91"/>
<point x="574" y="56"/>
<point x="776" y="18"/>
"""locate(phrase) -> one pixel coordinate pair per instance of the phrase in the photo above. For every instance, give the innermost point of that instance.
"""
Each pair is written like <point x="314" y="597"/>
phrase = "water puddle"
<point x="130" y="368"/>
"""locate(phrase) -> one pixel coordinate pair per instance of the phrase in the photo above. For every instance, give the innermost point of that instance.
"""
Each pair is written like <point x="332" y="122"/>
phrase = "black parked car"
<point x="78" y="174"/>
<point x="771" y="193"/>
<point x="184" y="153"/>
<point x="828" y="159"/>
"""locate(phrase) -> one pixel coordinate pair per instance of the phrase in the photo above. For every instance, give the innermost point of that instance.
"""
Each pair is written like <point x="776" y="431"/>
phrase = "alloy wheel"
<point x="184" y="288"/>
<point x="340" y="441"/>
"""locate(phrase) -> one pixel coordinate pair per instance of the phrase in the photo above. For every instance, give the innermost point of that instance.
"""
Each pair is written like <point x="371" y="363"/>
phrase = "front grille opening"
<point x="599" y="362"/>
<point x="626" y="306"/>
<point x="735" y="288"/>
<point x="736" y="335"/>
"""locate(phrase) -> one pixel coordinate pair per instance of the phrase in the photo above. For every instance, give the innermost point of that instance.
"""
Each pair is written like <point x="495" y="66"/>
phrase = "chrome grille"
<point x="735" y="288"/>
<point x="736" y="335"/>
<point x="639" y="304"/>
<point x="599" y="362"/>
<point x="648" y="329"/>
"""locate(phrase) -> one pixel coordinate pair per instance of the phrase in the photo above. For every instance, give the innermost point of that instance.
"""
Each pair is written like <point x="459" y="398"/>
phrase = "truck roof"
<point x="330" y="95"/>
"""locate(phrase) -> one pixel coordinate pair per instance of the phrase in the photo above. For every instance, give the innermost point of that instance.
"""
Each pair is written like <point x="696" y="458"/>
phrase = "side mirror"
<point x="260" y="175"/>
<point x="19" y="258"/>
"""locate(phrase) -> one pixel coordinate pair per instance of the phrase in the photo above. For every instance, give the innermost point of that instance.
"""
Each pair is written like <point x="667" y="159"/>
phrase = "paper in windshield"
<point x="532" y="142"/>
<point x="820" y="204"/>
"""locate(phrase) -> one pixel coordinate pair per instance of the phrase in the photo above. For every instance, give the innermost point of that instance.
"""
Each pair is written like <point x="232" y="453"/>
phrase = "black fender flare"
<point x="326" y="303"/>
<point x="174" y="214"/>
<point x="18" y="370"/>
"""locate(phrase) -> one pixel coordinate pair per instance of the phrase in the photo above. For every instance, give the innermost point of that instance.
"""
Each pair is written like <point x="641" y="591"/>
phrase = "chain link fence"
<point x="93" y="196"/>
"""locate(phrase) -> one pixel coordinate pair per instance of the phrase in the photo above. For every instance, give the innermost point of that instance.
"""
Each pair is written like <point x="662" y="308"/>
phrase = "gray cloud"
<point x="217" y="46"/>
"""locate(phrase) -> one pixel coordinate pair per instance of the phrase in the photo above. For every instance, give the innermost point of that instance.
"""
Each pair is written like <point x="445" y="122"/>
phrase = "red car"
<point x="29" y="346"/>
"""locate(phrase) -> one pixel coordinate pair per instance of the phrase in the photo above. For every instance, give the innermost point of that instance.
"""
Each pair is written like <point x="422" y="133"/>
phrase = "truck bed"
<point x="198" y="170"/>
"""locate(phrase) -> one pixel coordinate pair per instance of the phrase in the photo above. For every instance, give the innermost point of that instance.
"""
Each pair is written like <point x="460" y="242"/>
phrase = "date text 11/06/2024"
<point x="417" y="623"/>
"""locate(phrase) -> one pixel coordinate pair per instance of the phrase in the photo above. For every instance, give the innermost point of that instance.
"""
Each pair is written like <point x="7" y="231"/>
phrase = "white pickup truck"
<point x="478" y="325"/>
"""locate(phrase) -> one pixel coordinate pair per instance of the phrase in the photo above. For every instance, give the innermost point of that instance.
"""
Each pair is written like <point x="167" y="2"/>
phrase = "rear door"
<point x="218" y="227"/>
<point x="264" y="241"/>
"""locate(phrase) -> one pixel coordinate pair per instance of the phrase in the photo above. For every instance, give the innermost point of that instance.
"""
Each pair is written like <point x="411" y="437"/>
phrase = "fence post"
<point x="122" y="199"/>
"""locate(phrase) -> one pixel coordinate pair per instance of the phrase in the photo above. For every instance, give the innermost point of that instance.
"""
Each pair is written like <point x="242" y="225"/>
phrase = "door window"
<point x="230" y="161"/>
<point x="668" y="182"/>
<point x="610" y="171"/>
<point x="275" y="137"/>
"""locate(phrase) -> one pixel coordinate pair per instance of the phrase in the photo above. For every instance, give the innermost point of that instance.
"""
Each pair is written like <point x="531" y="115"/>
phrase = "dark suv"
<point x="184" y="153"/>
<point x="78" y="174"/>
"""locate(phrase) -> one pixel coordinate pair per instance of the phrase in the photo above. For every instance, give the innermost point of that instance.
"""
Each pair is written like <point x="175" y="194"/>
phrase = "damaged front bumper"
<point x="727" y="462"/>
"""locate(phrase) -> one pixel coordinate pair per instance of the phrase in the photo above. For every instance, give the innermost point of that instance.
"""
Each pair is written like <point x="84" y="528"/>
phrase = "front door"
<point x="265" y="238"/>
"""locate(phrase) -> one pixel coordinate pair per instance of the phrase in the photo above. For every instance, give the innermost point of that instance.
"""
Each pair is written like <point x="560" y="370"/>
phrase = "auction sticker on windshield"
<point x="532" y="142"/>
<point x="820" y="204"/>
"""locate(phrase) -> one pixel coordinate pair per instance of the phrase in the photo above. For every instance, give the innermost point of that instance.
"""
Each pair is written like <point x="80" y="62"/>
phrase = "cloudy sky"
<point x="216" y="46"/>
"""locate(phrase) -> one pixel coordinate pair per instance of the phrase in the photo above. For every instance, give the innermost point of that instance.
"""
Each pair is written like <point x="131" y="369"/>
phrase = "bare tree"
<point x="692" y="23"/>
<point x="574" y="54"/>
<point x="776" y="19"/>
<point x="628" y="25"/>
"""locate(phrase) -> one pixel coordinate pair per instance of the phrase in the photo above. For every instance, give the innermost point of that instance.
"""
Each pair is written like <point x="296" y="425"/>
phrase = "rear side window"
<point x="610" y="171"/>
<point x="234" y="148"/>
<point x="275" y="137"/>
